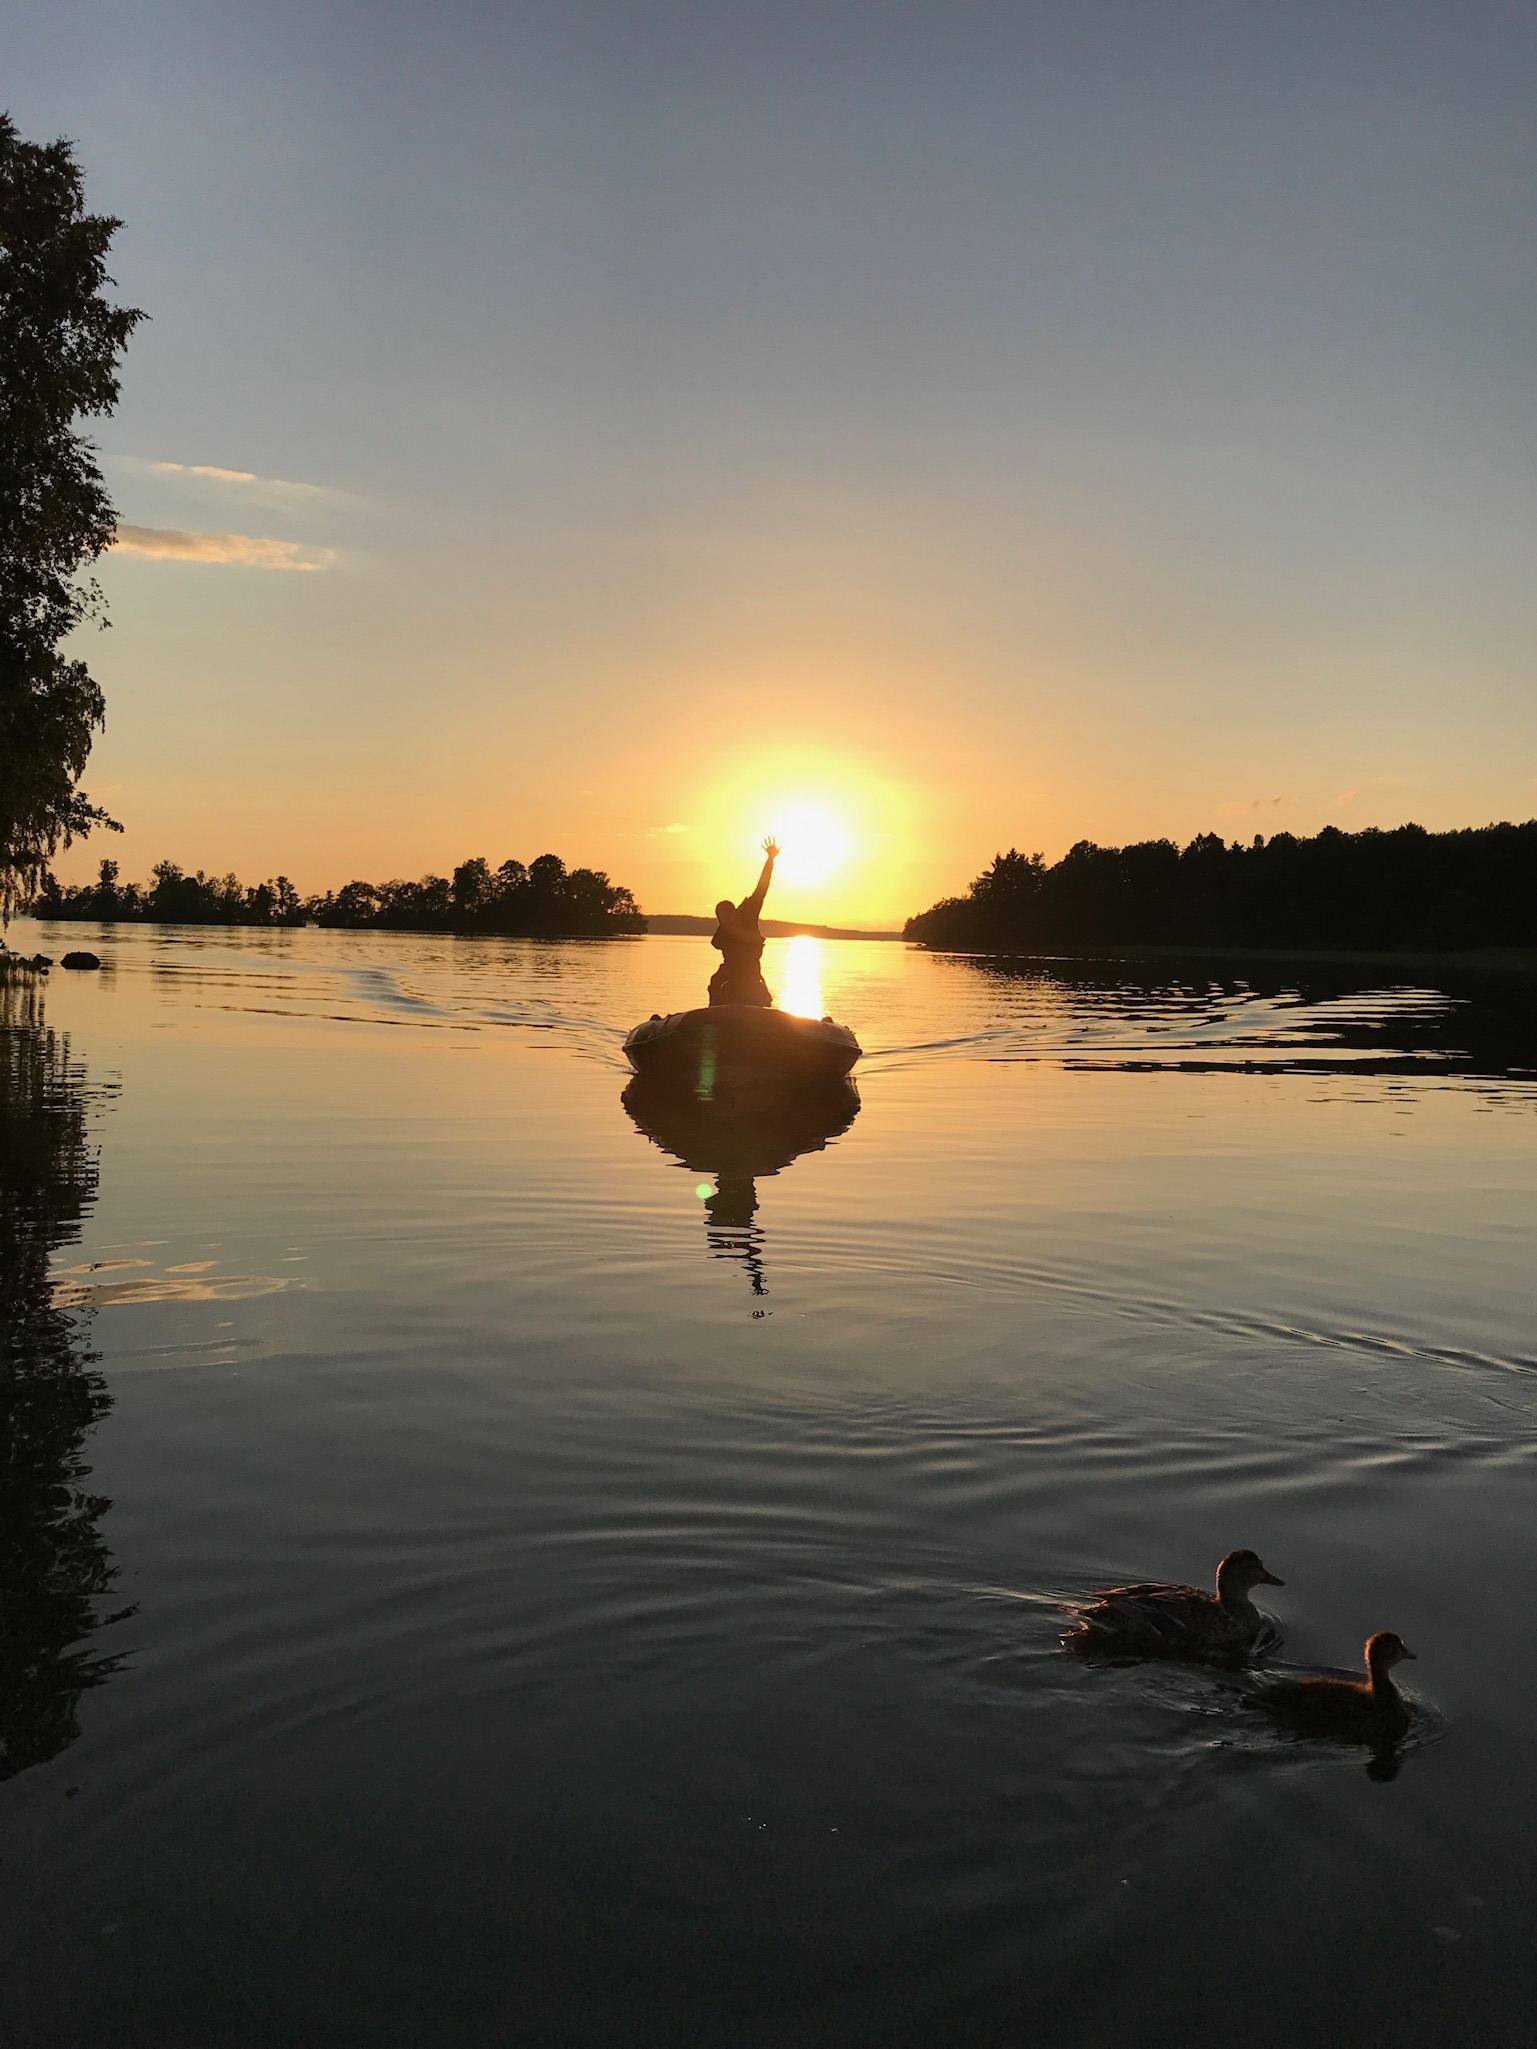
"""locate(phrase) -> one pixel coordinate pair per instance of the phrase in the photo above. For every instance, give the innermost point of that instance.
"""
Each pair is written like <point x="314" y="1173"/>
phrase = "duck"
<point x="1161" y="1619"/>
<point x="1369" y="1710"/>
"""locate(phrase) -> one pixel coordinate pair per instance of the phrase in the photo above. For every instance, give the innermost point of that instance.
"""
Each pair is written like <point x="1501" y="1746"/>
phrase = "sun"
<point x="813" y="844"/>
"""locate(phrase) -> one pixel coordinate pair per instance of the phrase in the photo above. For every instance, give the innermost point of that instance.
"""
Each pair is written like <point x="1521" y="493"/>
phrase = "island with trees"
<point x="1405" y="890"/>
<point x="545" y="900"/>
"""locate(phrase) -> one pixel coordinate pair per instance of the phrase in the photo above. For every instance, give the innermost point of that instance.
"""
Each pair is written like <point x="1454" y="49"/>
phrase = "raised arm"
<point x="752" y="905"/>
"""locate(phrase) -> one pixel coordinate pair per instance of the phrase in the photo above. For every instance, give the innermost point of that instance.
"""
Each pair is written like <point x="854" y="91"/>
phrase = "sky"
<point x="621" y="430"/>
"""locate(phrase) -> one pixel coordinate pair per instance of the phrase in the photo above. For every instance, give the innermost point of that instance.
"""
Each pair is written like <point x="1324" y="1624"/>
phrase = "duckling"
<point x="1159" y="1620"/>
<point x="1369" y="1710"/>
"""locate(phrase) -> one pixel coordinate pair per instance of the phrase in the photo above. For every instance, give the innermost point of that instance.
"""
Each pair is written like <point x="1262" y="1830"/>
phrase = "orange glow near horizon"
<point x="844" y="833"/>
<point x="857" y="846"/>
<point x="879" y="813"/>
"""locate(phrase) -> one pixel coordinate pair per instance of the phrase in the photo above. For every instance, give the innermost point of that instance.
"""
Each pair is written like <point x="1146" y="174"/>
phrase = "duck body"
<point x="1157" y="1618"/>
<point x="1369" y="1710"/>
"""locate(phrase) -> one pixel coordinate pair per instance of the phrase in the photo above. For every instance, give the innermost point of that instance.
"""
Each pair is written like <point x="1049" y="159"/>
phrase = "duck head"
<point x="1240" y="1573"/>
<point x="1384" y="1651"/>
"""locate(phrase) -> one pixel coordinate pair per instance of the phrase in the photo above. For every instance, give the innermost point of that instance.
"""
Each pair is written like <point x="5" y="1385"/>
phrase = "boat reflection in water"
<point x="739" y="1140"/>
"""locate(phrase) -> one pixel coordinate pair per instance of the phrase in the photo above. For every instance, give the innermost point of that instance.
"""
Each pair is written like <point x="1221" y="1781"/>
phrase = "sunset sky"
<point x="615" y="429"/>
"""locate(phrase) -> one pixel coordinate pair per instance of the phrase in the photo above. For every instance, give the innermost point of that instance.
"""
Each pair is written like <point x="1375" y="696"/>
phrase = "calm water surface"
<point x="579" y="1581"/>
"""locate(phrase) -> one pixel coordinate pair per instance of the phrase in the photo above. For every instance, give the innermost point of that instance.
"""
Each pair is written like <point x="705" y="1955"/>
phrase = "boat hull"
<point x="730" y="1048"/>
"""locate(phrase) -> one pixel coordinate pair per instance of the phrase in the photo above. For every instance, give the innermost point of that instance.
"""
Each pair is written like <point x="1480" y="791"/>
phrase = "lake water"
<point x="572" y="1591"/>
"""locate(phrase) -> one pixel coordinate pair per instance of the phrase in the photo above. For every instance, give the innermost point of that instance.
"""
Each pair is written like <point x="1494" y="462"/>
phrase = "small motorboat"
<point x="732" y="1047"/>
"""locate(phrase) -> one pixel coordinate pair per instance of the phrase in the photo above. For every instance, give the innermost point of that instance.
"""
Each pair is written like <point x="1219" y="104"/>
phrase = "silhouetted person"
<point x="739" y="978"/>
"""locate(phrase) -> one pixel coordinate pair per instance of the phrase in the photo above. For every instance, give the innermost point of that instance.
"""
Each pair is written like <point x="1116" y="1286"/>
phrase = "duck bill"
<point x="1407" y="1653"/>
<point x="1269" y="1580"/>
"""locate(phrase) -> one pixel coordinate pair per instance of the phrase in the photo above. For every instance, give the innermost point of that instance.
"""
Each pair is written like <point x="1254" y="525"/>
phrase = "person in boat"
<point x="739" y="978"/>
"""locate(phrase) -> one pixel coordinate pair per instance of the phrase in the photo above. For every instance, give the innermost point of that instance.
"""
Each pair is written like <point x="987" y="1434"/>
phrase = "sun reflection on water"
<point x="800" y="977"/>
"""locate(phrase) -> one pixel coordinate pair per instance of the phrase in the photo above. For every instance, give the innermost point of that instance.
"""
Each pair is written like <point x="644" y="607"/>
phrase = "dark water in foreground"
<point x="566" y="1593"/>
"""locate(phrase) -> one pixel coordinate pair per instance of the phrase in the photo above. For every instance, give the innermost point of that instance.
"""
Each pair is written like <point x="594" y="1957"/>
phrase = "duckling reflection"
<point x="738" y="1142"/>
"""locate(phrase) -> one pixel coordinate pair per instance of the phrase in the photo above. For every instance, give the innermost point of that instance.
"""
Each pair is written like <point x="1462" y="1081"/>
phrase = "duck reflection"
<point x="54" y="1565"/>
<point x="739" y="1142"/>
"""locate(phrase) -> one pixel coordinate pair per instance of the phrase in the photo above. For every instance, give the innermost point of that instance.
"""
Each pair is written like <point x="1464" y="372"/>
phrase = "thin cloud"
<point x="654" y="831"/>
<point x="243" y="551"/>
<point x="248" y="482"/>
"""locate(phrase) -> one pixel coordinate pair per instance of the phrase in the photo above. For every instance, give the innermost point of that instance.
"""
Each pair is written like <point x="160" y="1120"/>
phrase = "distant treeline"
<point x="544" y="900"/>
<point x="1407" y="889"/>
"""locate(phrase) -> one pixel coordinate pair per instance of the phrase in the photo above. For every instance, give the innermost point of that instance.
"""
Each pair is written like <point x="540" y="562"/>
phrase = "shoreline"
<point x="1517" y="962"/>
<point x="1514" y="964"/>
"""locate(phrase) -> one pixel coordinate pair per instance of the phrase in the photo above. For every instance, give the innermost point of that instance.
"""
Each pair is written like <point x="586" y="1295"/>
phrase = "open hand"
<point x="771" y="847"/>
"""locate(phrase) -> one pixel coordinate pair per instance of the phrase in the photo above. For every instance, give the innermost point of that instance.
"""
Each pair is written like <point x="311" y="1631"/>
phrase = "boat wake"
<point x="908" y="1011"/>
